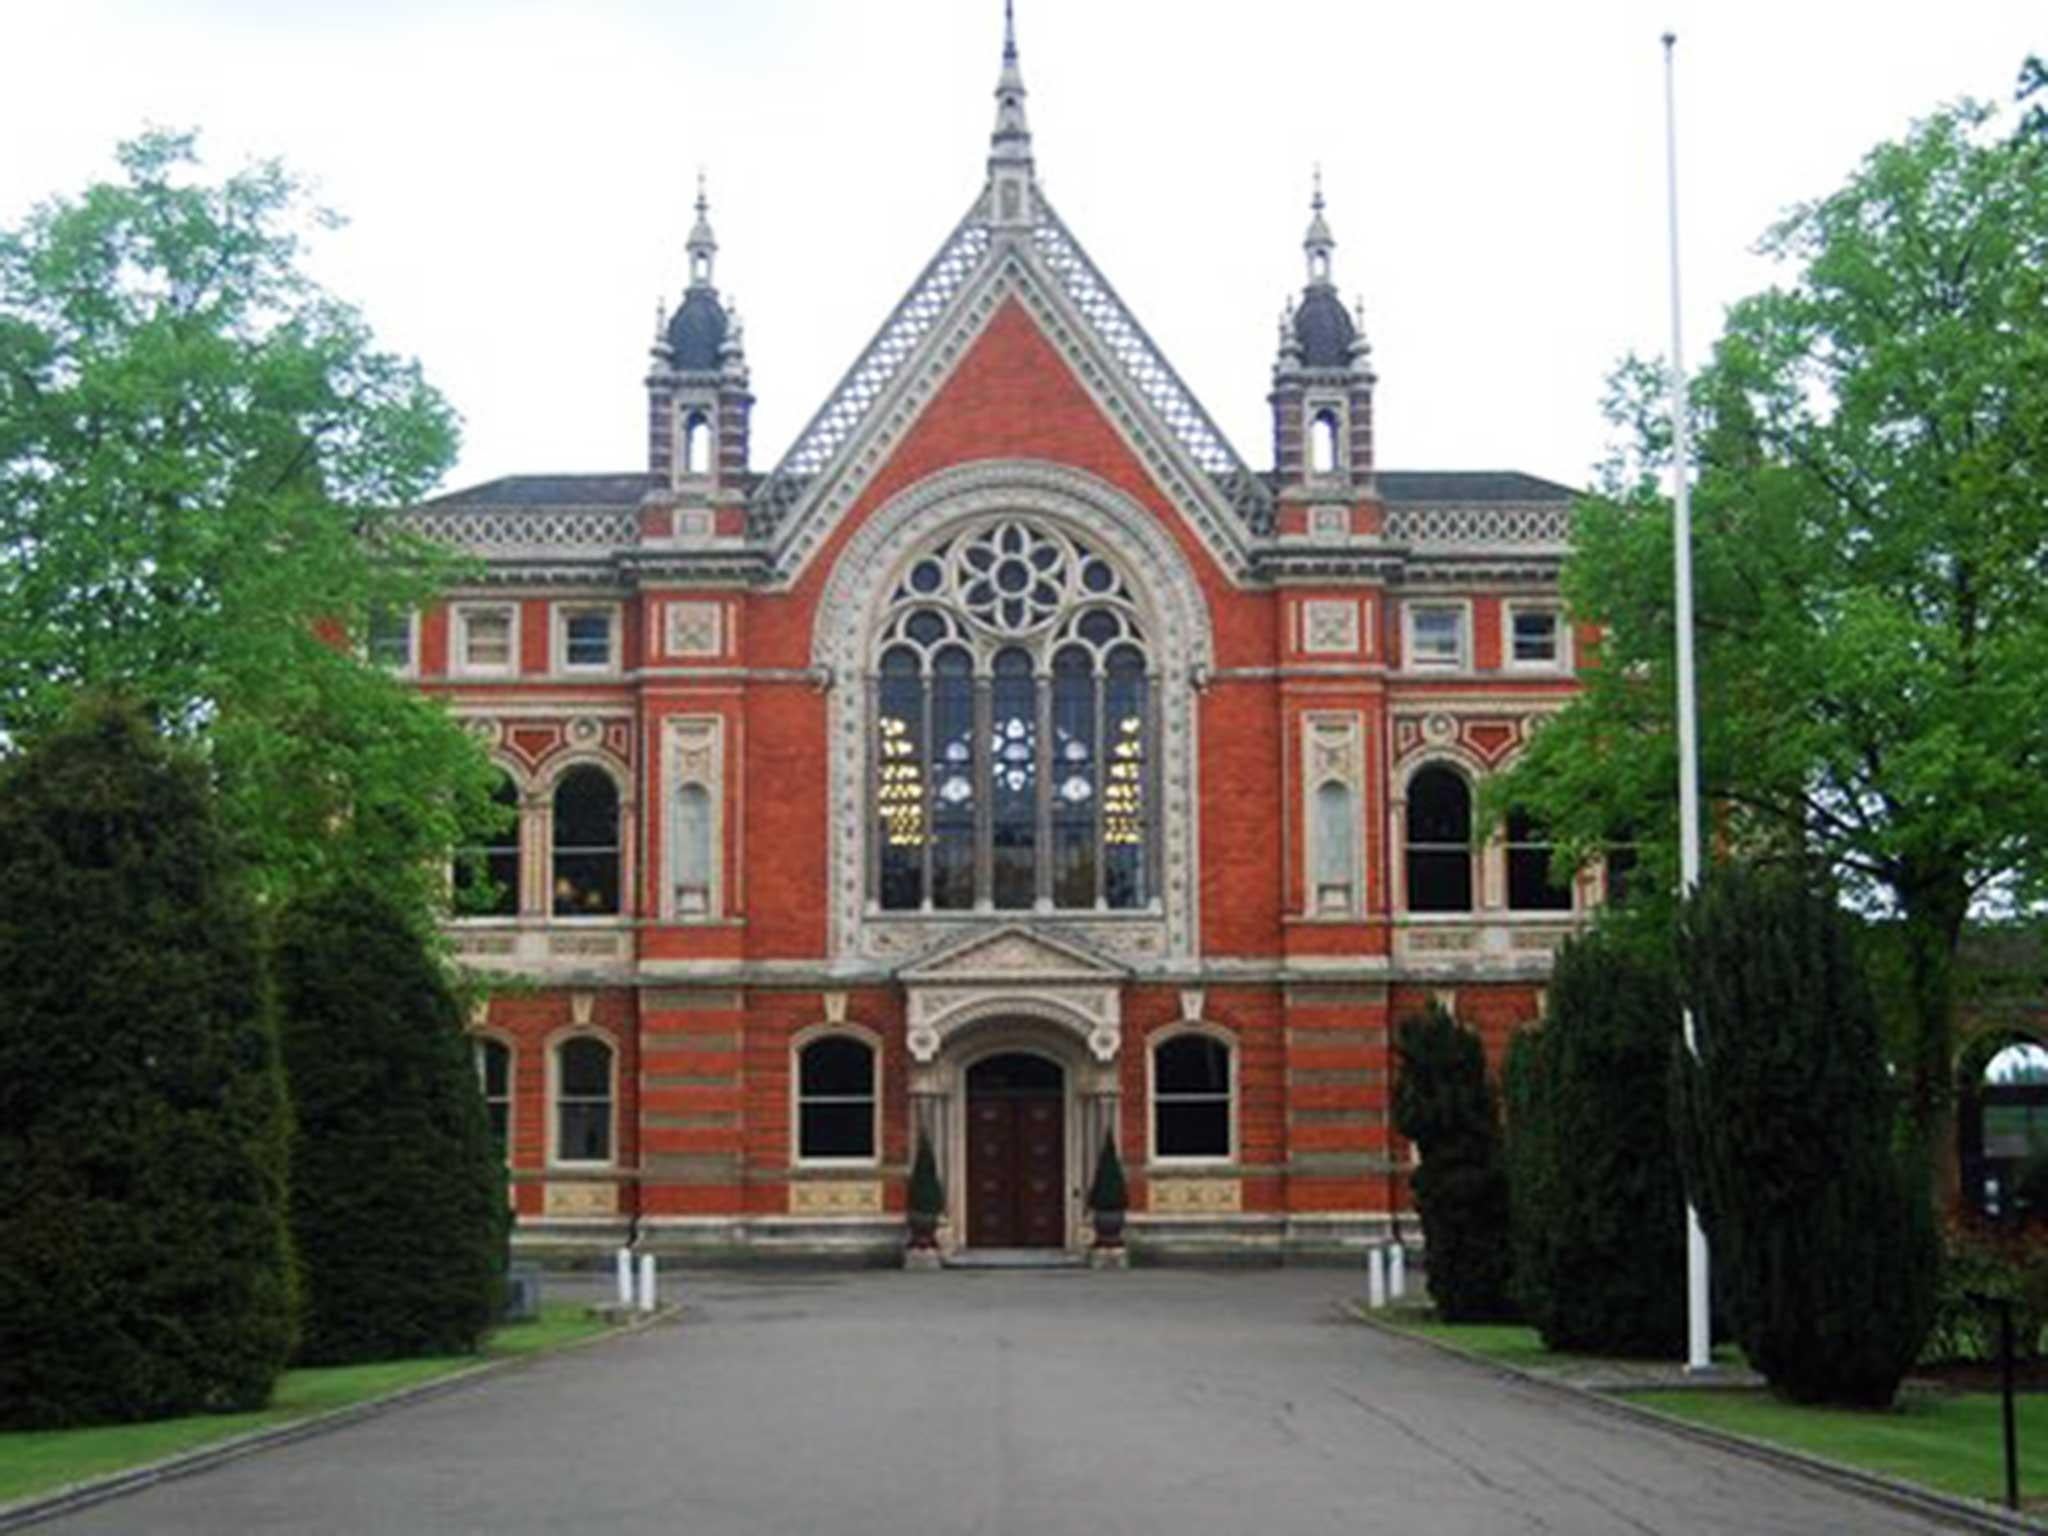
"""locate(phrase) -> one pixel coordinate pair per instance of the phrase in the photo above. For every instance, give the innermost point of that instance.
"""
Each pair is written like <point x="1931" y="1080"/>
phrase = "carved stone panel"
<point x="1196" y="1197"/>
<point x="837" y="1197"/>
<point x="581" y="1200"/>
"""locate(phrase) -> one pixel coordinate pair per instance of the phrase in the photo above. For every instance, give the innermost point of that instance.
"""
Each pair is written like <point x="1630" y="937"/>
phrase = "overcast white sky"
<point x="517" y="176"/>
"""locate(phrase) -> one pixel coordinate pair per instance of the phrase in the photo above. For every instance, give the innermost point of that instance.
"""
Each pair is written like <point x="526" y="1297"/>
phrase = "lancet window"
<point x="1016" y="722"/>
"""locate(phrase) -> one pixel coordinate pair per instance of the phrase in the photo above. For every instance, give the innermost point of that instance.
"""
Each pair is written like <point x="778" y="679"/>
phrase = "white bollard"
<point x="625" y="1268"/>
<point x="1397" y="1272"/>
<point x="647" y="1283"/>
<point x="1376" y="1278"/>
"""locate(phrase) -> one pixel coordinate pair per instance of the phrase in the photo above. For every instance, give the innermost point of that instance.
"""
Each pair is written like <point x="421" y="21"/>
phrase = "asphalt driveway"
<point x="1011" y="1404"/>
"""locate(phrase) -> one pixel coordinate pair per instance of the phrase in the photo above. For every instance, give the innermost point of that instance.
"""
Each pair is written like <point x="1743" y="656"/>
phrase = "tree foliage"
<point x="1598" y="1199"/>
<point x="1822" y="1233"/>
<point x="201" y="456"/>
<point x="398" y="1194"/>
<point x="145" y="1267"/>
<point x="1871" y="536"/>
<point x="1444" y="1103"/>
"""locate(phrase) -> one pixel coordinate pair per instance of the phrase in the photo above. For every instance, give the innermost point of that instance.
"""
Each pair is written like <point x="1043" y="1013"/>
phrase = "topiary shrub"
<point x="398" y="1200"/>
<point x="927" y="1196"/>
<point x="1823" y="1241"/>
<point x="1598" y="1197"/>
<point x="145" y="1266"/>
<point x="1109" y="1194"/>
<point x="1444" y="1103"/>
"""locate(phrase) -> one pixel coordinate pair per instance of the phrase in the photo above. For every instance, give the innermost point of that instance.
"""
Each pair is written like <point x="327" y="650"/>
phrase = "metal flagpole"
<point x="1698" y="1356"/>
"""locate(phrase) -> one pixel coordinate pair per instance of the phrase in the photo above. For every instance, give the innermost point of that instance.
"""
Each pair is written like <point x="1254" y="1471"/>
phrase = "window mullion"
<point x="928" y="783"/>
<point x="982" y="765"/>
<point x="1098" y="686"/>
<point x="1041" y="864"/>
<point x="1148" y="745"/>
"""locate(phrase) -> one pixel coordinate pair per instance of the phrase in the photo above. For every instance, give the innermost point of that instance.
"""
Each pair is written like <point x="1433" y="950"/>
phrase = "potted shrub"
<point x="1108" y="1199"/>
<point x="927" y="1197"/>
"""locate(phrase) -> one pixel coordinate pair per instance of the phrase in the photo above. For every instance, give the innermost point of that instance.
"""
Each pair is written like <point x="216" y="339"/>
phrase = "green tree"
<point x="1444" y="1103"/>
<point x="201" y="458"/>
<point x="1822" y="1232"/>
<point x="1598" y="1199"/>
<point x="1870" y="541"/>
<point x="145" y="1267"/>
<point x="398" y="1192"/>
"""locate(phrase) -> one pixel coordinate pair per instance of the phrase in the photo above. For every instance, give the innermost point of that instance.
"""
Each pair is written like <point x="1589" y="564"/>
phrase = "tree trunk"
<point x="1936" y="905"/>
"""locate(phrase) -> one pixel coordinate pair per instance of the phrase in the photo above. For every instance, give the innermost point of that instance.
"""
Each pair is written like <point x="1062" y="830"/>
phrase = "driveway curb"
<point x="73" y="1497"/>
<point x="1971" y="1514"/>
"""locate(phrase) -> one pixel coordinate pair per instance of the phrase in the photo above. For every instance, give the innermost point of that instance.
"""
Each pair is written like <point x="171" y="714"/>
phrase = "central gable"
<point x="1016" y="362"/>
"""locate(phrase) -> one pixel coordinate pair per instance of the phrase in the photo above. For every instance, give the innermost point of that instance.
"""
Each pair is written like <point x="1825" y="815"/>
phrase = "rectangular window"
<point x="1436" y="636"/>
<point x="388" y="638"/>
<point x="485" y="639"/>
<point x="1534" y="638"/>
<point x="587" y="638"/>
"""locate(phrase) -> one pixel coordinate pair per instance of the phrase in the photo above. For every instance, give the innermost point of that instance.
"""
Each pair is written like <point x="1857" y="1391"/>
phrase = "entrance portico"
<point x="1014" y="1041"/>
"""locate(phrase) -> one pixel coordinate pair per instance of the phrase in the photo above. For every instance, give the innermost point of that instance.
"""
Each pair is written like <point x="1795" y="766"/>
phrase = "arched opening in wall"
<point x="583" y="1101"/>
<point x="696" y="444"/>
<point x="1016" y="1152"/>
<point x="2002" y="1126"/>
<point x="1322" y="443"/>
<point x="836" y="1101"/>
<point x="1191" y="1098"/>
<point x="586" y="825"/>
<point x="1439" y="841"/>
<point x="1532" y="884"/>
<point x="486" y="873"/>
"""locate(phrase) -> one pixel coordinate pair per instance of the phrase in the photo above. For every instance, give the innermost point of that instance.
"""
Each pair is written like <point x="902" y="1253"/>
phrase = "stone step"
<point x="1015" y="1258"/>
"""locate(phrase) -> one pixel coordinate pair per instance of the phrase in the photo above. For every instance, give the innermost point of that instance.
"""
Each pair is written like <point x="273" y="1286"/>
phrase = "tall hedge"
<point x="398" y="1200"/>
<point x="1598" y="1196"/>
<point x="1444" y="1103"/>
<point x="145" y="1266"/>
<point x="1823" y="1240"/>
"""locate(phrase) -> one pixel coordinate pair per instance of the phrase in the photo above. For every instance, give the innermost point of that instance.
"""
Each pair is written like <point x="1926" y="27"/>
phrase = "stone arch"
<point x="1176" y="616"/>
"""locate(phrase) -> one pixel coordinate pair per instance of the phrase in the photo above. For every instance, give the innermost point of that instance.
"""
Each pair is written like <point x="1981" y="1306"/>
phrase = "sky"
<point x="517" y="178"/>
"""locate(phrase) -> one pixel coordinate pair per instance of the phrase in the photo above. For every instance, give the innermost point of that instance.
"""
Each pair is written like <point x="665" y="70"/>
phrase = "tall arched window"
<point x="494" y="1074"/>
<point x="1322" y="434"/>
<point x="835" y="1103"/>
<point x="1439" y="842"/>
<point x="487" y="872"/>
<point x="1531" y="885"/>
<point x="697" y="444"/>
<point x="1335" y="851"/>
<point x="1013" y="755"/>
<point x="583" y="1101"/>
<point x="693" y="851"/>
<point x="1191" y="1098"/>
<point x="586" y="874"/>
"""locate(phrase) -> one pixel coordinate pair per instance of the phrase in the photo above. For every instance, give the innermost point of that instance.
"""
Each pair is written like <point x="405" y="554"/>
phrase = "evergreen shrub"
<point x="927" y="1195"/>
<point x="398" y="1195"/>
<point x="1816" y="1207"/>
<point x="1109" y="1191"/>
<point x="1444" y="1103"/>
<point x="145" y="1264"/>
<point x="1598" y="1197"/>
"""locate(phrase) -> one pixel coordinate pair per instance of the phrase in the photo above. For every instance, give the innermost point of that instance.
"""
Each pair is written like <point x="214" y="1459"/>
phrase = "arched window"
<point x="2002" y="1126"/>
<point x="1014" y="730"/>
<point x="583" y="1101"/>
<point x="697" y="444"/>
<point x="586" y="882"/>
<point x="1531" y="885"/>
<point x="1335" y="847"/>
<point x="1322" y="436"/>
<point x="835" y="1106"/>
<point x="487" y="872"/>
<point x="494" y="1074"/>
<point x="1439" y="842"/>
<point x="693" y="851"/>
<point x="1191" y="1098"/>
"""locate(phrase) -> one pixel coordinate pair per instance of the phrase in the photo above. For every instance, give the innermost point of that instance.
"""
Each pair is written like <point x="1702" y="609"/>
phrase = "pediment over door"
<point x="1014" y="972"/>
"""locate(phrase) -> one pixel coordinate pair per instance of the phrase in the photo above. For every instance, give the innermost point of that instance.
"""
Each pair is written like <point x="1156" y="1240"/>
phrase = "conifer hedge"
<point x="145" y="1266"/>
<point x="398" y="1195"/>
<point x="1823" y="1240"/>
<point x="1445" y="1104"/>
<point x="1598" y="1197"/>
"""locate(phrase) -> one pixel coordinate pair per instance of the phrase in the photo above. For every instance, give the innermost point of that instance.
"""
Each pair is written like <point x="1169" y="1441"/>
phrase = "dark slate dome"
<point x="1324" y="329"/>
<point x="697" y="333"/>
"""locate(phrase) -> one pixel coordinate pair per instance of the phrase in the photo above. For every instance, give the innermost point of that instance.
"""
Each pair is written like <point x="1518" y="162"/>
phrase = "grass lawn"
<point x="1509" y="1343"/>
<point x="35" y="1460"/>
<point x="1954" y="1443"/>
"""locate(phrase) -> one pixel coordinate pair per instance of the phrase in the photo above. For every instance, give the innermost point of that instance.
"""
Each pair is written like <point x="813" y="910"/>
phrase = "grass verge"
<point x="34" y="1461"/>
<point x="1954" y="1443"/>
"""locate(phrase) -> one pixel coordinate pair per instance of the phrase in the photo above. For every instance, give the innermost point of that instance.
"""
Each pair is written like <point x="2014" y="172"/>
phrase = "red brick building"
<point x="1010" y="762"/>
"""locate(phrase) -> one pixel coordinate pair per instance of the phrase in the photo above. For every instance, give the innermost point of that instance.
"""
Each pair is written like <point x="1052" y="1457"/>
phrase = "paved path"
<point x="1006" y="1404"/>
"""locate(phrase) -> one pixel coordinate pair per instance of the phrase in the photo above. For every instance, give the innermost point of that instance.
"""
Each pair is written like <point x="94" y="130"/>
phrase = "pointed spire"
<point x="703" y="245"/>
<point x="1011" y="142"/>
<point x="1320" y="242"/>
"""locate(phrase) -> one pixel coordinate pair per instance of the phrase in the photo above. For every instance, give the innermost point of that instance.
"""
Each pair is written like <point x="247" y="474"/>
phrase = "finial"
<point x="703" y="245"/>
<point x="1009" y="31"/>
<point x="1320" y="242"/>
<point x="1012" y="174"/>
<point x="1317" y="202"/>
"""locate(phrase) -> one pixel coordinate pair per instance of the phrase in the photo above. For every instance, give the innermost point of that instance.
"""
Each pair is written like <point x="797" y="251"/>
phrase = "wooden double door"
<point x="1016" y="1153"/>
